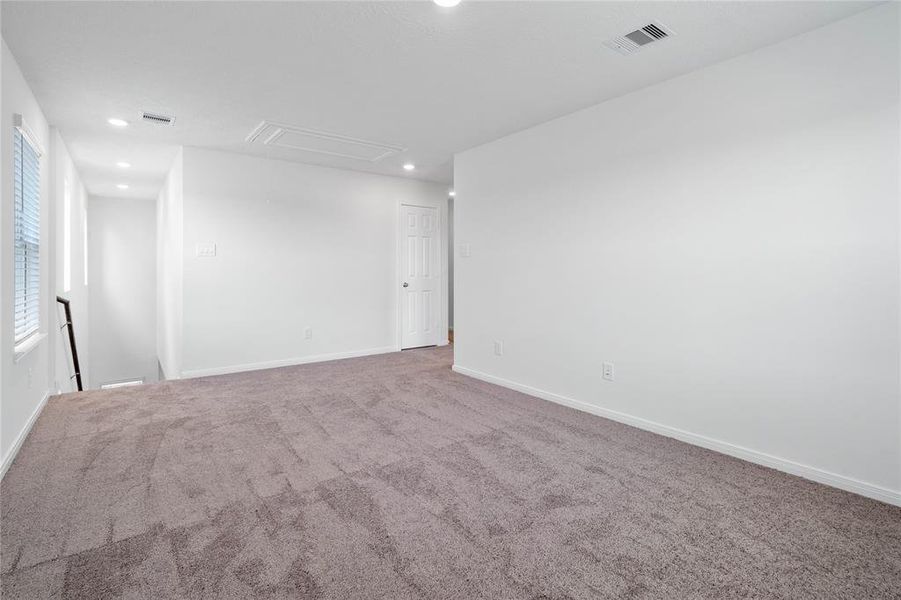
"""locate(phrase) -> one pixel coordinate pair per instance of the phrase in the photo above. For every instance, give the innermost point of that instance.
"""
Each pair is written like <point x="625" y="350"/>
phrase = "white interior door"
<point x="420" y="277"/>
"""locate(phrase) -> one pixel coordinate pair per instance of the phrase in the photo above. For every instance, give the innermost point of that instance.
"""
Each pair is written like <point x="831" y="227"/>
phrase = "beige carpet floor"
<point x="393" y="477"/>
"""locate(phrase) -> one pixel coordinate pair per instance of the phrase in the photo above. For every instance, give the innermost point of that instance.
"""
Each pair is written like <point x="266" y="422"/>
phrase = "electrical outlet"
<point x="308" y="333"/>
<point x="465" y="250"/>
<point x="608" y="373"/>
<point x="205" y="250"/>
<point x="499" y="348"/>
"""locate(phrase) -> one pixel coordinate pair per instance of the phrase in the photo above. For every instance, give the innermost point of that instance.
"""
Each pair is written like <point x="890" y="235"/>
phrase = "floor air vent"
<point x="120" y="384"/>
<point x="157" y="119"/>
<point x="635" y="40"/>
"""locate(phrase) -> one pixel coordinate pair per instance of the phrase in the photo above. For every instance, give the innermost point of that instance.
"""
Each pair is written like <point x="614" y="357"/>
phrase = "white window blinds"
<point x="27" y="196"/>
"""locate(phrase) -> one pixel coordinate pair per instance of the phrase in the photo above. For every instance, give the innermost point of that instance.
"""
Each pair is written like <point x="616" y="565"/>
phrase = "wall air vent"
<point x="157" y="119"/>
<point x="634" y="41"/>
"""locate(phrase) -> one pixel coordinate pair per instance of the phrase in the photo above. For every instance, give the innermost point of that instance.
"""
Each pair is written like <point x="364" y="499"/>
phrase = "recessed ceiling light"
<point x="123" y="165"/>
<point x="409" y="167"/>
<point x="447" y="3"/>
<point x="122" y="186"/>
<point x="452" y="193"/>
<point x="115" y="122"/>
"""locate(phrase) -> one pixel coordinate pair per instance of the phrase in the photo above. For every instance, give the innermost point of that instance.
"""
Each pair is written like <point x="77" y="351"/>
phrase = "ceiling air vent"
<point x="634" y="41"/>
<point x="157" y="119"/>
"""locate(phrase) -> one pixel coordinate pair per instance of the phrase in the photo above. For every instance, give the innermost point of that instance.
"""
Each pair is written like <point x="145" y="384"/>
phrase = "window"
<point x="27" y="198"/>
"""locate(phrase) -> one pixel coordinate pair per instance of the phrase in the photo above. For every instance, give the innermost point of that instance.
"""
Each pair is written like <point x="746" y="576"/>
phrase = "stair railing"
<point x="68" y="324"/>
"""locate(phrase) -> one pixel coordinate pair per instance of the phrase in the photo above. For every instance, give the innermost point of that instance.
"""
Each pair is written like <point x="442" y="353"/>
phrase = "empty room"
<point x="450" y="300"/>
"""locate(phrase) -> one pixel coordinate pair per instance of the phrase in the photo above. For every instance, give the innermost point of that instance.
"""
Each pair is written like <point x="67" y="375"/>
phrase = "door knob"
<point x="406" y="284"/>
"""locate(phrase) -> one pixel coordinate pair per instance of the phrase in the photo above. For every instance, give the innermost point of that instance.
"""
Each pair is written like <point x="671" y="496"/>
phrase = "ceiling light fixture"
<point x="447" y="3"/>
<point x="116" y="122"/>
<point x="452" y="193"/>
<point x="123" y="165"/>
<point x="122" y="186"/>
<point x="409" y="167"/>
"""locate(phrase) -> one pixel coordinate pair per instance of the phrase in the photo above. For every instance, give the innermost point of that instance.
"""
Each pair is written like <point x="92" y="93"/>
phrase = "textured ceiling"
<point x="410" y="74"/>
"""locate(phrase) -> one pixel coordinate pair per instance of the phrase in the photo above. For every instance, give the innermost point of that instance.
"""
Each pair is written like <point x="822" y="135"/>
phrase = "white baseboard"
<point x="780" y="464"/>
<point x="286" y="362"/>
<point x="20" y="439"/>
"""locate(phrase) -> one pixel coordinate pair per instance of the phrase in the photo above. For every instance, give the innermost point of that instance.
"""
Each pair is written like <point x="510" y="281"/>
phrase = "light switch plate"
<point x="205" y="249"/>
<point x="465" y="250"/>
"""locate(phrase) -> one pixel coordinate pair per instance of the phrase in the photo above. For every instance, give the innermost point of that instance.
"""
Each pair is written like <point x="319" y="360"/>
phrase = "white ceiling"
<point x="410" y="74"/>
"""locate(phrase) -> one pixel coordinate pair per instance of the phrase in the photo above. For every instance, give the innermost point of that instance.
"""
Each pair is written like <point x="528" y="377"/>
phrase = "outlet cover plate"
<point x="608" y="371"/>
<point x="205" y="250"/>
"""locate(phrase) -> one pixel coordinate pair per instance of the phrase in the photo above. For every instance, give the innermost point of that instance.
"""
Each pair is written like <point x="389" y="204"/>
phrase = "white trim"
<point x="767" y="460"/>
<point x="286" y="362"/>
<point x="20" y="124"/>
<point x="27" y="345"/>
<point x="14" y="449"/>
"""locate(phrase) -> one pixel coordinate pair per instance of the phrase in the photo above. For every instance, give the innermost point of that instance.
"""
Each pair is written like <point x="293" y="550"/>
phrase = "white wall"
<point x="729" y="239"/>
<point x="122" y="277"/>
<point x="297" y="246"/>
<point x="170" y="240"/>
<point x="26" y="382"/>
<point x="64" y="174"/>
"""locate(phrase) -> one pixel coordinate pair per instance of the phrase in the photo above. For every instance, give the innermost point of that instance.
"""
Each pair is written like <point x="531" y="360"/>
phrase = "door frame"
<point x="441" y="212"/>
